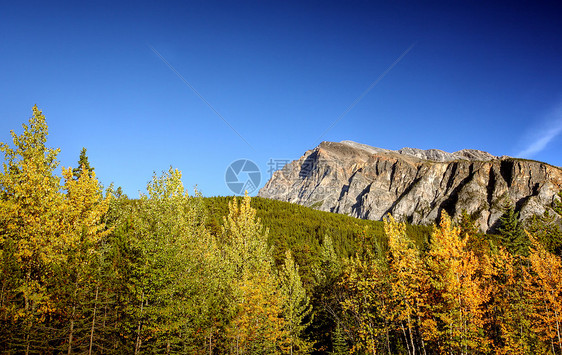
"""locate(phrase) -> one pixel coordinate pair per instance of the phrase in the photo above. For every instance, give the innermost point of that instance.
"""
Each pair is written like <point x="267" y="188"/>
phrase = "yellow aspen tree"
<point x="246" y="239"/>
<point x="406" y="281"/>
<point x="257" y="325"/>
<point x="544" y="285"/>
<point x="367" y="304"/>
<point x="84" y="208"/>
<point x="32" y="221"/>
<point x="453" y="317"/>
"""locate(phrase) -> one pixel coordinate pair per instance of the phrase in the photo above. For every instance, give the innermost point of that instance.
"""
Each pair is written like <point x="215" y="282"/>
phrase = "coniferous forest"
<point x="86" y="269"/>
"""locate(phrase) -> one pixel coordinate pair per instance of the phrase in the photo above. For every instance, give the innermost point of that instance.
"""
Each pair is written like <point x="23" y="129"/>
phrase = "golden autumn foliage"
<point x="158" y="281"/>
<point x="368" y="304"/>
<point x="453" y="309"/>
<point x="406" y="282"/>
<point x="543" y="283"/>
<point x="258" y="325"/>
<point x="41" y="222"/>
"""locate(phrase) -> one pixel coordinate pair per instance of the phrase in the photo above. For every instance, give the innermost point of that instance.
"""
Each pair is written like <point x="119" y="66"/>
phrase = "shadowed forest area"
<point x="85" y="269"/>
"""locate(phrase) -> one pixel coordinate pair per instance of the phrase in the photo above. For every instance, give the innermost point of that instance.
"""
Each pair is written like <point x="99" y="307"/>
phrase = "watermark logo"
<point x="276" y="165"/>
<point x="242" y="175"/>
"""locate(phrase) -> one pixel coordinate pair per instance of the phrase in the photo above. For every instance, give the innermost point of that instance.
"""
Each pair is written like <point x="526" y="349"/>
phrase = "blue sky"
<point x="483" y="75"/>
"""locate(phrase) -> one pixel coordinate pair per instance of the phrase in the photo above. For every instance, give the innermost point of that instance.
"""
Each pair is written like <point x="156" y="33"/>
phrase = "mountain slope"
<point x="368" y="182"/>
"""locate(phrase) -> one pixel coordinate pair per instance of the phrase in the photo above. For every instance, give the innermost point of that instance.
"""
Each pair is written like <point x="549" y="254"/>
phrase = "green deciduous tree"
<point x="256" y="300"/>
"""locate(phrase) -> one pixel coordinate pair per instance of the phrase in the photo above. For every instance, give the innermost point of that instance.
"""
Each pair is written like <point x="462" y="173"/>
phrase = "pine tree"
<point x="467" y="225"/>
<point x="547" y="231"/>
<point x="512" y="235"/>
<point x="327" y="293"/>
<point x="83" y="164"/>
<point x="339" y="345"/>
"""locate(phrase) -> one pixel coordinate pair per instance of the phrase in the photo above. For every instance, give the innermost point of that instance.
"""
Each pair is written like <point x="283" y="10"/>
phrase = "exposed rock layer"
<point x="414" y="184"/>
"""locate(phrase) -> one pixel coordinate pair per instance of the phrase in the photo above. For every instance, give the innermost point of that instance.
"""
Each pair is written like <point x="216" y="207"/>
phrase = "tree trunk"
<point x="27" y="278"/>
<point x="558" y="330"/>
<point x="27" y="346"/>
<point x="405" y="337"/>
<point x="138" y="342"/>
<point x="411" y="335"/>
<point x="211" y="342"/>
<point x="419" y="327"/>
<point x="93" y="322"/>
<point x="71" y="332"/>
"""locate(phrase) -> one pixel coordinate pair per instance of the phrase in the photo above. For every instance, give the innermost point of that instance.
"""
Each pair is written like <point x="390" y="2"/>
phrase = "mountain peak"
<point x="414" y="184"/>
<point x="429" y="154"/>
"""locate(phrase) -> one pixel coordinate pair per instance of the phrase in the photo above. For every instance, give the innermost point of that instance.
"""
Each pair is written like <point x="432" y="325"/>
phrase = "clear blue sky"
<point x="484" y="75"/>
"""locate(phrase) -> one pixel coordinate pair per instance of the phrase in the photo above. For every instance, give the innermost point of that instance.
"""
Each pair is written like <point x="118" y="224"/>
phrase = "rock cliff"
<point x="413" y="184"/>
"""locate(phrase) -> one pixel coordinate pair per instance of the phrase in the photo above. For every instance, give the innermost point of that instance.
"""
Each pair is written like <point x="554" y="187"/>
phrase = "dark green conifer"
<point x="82" y="161"/>
<point x="512" y="235"/>
<point x="339" y="345"/>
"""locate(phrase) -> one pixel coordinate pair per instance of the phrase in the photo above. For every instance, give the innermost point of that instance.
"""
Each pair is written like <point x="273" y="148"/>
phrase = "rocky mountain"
<point x="414" y="184"/>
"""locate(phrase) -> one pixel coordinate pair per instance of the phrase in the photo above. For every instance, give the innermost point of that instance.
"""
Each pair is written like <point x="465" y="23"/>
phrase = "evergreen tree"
<point x="557" y="204"/>
<point x="327" y="294"/>
<point x="467" y="225"/>
<point x="512" y="235"/>
<point x="546" y="230"/>
<point x="339" y="345"/>
<point x="83" y="164"/>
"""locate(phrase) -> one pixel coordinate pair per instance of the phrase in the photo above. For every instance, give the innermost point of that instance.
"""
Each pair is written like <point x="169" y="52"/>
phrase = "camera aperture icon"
<point x="242" y="175"/>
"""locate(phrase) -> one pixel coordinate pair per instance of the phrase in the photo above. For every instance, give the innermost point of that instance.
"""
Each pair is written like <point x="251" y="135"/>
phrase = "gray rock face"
<point x="414" y="184"/>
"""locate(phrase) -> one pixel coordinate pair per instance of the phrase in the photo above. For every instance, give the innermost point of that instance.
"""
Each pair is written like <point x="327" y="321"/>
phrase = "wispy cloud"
<point x="550" y="129"/>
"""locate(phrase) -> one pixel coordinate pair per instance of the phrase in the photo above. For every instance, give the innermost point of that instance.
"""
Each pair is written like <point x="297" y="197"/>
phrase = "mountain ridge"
<point x="414" y="184"/>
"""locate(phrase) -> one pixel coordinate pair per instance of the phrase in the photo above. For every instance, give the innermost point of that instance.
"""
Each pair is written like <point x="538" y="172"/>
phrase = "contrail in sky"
<point x="198" y="94"/>
<point x="545" y="135"/>
<point x="360" y="97"/>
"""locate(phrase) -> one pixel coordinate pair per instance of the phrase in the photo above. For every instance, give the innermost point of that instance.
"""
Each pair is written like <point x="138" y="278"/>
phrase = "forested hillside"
<point x="302" y="230"/>
<point x="87" y="270"/>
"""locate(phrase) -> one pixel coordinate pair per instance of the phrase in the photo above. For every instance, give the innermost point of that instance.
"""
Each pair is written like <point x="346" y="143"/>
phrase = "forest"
<point x="86" y="269"/>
